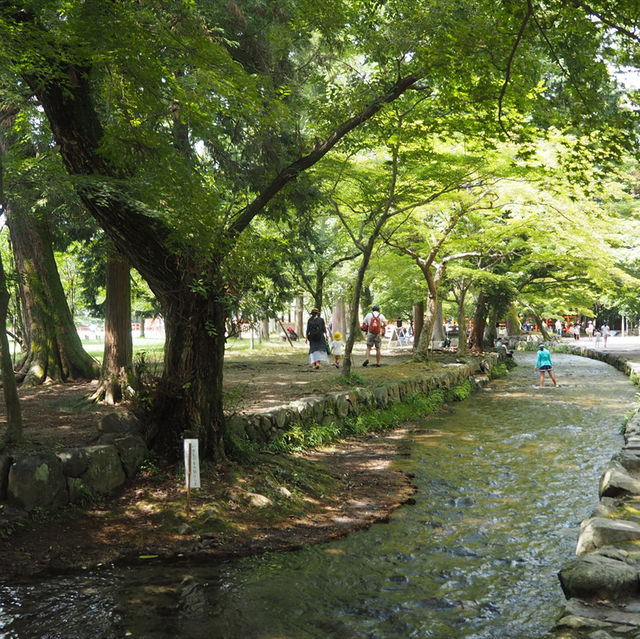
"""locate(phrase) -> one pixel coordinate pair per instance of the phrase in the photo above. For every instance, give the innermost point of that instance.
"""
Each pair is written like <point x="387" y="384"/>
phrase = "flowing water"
<point x="504" y="480"/>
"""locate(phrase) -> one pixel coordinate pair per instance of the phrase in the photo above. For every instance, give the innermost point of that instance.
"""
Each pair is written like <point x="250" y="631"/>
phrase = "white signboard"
<point x="191" y="475"/>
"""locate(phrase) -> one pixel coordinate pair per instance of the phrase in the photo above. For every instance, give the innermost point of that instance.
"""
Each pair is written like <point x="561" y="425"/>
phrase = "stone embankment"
<point x="602" y="584"/>
<point x="47" y="481"/>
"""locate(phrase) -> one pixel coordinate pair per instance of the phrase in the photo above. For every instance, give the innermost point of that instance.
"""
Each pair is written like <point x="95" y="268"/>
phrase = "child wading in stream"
<point x="543" y="364"/>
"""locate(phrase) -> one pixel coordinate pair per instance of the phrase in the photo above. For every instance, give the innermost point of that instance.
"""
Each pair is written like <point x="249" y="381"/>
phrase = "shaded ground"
<point x="272" y="502"/>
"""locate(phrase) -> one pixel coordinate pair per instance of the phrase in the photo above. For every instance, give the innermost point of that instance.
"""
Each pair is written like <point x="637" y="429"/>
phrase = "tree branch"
<point x="292" y="171"/>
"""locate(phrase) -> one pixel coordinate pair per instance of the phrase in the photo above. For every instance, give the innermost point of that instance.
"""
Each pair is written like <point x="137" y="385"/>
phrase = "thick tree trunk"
<point x="463" y="347"/>
<point x="426" y="334"/>
<point x="476" y="339"/>
<point x="418" y="323"/>
<point x="190" y="391"/>
<point x="491" y="331"/>
<point x="512" y="321"/>
<point x="117" y="370"/>
<point x="353" y="328"/>
<point x="338" y="317"/>
<point x="54" y="349"/>
<point x="438" y="328"/>
<point x="13" y="434"/>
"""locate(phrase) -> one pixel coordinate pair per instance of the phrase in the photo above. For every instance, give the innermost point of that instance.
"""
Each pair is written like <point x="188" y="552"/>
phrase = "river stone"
<point x="259" y="501"/>
<point x="598" y="531"/>
<point x="36" y="481"/>
<point x="595" y="576"/>
<point x="616" y="481"/>
<point x="629" y="460"/>
<point x="104" y="473"/>
<point x="74" y="461"/>
<point x="237" y="426"/>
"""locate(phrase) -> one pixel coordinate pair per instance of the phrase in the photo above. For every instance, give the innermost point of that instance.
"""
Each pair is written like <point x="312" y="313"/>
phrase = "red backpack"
<point x="374" y="324"/>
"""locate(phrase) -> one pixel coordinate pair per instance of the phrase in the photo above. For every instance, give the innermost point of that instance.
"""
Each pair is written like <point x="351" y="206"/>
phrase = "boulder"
<point x="74" y="461"/>
<point x="598" y="531"/>
<point x="616" y="481"/>
<point x="122" y="423"/>
<point x="598" y="577"/>
<point x="104" y="472"/>
<point x="37" y="481"/>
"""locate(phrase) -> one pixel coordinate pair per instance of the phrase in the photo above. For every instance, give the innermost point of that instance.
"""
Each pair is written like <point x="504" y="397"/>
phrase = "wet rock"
<point x="598" y="577"/>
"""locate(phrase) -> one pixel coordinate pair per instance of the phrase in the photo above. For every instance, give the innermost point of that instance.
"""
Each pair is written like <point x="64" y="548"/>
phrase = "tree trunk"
<point x="418" y="322"/>
<point x="13" y="434"/>
<point x="476" y="339"/>
<point x="463" y="347"/>
<point x="299" y="315"/>
<point x="53" y="347"/>
<point x="338" y="317"/>
<point x="117" y="370"/>
<point x="512" y="321"/>
<point x="491" y="328"/>
<point x="438" y="330"/>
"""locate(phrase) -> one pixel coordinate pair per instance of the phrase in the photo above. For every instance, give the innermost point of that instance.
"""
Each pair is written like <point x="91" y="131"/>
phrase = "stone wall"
<point x="602" y="584"/>
<point x="263" y="426"/>
<point x="48" y="481"/>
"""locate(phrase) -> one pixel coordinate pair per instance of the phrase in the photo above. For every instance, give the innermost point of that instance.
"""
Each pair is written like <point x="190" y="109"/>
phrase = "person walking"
<point x="558" y="326"/>
<point x="315" y="336"/>
<point x="375" y="322"/>
<point x="336" y="348"/>
<point x="543" y="364"/>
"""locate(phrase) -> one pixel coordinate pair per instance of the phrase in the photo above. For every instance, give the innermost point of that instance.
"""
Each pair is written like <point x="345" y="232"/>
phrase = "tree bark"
<point x="116" y="377"/>
<point x="299" y="326"/>
<point x="53" y="348"/>
<point x="14" y="432"/>
<point x="418" y="322"/>
<point x="476" y="339"/>
<point x="463" y="347"/>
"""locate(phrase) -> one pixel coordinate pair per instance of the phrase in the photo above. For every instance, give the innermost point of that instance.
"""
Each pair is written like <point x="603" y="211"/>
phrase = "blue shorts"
<point x="546" y="367"/>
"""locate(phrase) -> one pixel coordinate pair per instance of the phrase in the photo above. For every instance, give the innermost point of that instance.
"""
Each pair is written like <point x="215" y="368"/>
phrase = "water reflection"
<point x="504" y="480"/>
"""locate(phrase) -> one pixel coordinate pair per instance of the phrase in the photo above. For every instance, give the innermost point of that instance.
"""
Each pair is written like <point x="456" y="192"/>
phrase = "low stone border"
<point x="602" y="584"/>
<point x="262" y="426"/>
<point x="48" y="481"/>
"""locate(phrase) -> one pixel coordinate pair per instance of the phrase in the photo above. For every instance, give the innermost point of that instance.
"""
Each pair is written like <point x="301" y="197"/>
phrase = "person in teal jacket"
<point x="543" y="364"/>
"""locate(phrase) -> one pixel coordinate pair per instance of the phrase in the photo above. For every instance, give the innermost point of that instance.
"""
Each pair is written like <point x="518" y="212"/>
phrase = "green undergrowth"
<point x="417" y="405"/>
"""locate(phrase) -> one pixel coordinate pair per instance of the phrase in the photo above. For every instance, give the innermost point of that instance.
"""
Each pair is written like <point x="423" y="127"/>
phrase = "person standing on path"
<point x="315" y="336"/>
<point x="606" y="331"/>
<point x="543" y="364"/>
<point x="375" y="322"/>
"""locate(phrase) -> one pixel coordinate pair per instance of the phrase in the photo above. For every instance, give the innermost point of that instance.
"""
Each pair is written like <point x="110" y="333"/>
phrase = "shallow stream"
<point x="504" y="480"/>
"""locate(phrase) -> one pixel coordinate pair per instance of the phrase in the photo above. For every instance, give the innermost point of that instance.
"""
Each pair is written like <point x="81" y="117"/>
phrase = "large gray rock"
<point x="74" y="461"/>
<point x="121" y="423"/>
<point x="598" y="577"/>
<point x="598" y="532"/>
<point x="37" y="481"/>
<point x="131" y="449"/>
<point x="616" y="481"/>
<point x="104" y="472"/>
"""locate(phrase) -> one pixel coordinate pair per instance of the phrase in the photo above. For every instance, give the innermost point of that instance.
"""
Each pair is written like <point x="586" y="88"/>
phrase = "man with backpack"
<point x="374" y="323"/>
